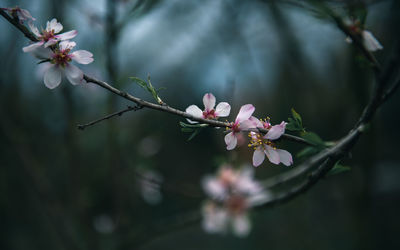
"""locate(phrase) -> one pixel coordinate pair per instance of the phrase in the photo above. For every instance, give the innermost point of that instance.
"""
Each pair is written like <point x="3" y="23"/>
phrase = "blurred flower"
<point x="222" y="110"/>
<point x="48" y="36"/>
<point x="264" y="146"/>
<point x="369" y="41"/>
<point x="149" y="146"/>
<point x="242" y="122"/>
<point x="59" y="61"/>
<point x="19" y="13"/>
<point x="150" y="185"/>
<point x="232" y="193"/>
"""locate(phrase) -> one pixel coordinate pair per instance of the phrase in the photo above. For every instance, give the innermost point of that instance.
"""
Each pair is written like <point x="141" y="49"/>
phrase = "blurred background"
<point x="63" y="188"/>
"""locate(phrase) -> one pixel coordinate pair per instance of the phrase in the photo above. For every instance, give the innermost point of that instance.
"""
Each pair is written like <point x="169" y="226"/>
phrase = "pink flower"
<point x="222" y="110"/>
<point x="48" y="36"/>
<point x="232" y="193"/>
<point x="242" y="122"/>
<point x="264" y="146"/>
<point x="60" y="62"/>
<point x="21" y="14"/>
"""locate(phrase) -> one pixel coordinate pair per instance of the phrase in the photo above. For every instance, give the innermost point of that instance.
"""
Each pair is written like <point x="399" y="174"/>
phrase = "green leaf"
<point x="337" y="169"/>
<point x="313" y="138"/>
<point x="196" y="125"/>
<point x="196" y="132"/>
<point x="139" y="82"/>
<point x="308" y="151"/>
<point x="187" y="130"/>
<point x="149" y="87"/>
<point x="297" y="117"/>
<point x="293" y="125"/>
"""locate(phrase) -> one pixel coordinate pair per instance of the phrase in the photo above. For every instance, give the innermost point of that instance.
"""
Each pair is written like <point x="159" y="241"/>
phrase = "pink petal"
<point x="32" y="47"/>
<point x="258" y="156"/>
<point x="276" y="131"/>
<point x="272" y="155"/>
<point x="245" y="112"/>
<point x="223" y="109"/>
<point x="82" y="56"/>
<point x="230" y="140"/>
<point x="252" y="122"/>
<point x="73" y="74"/>
<point x="67" y="35"/>
<point x="52" y="77"/>
<point x="285" y="157"/>
<point x="209" y="101"/>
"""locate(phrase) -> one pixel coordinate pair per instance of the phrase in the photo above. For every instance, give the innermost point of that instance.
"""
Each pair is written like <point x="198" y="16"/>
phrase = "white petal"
<point x="209" y="101"/>
<point x="276" y="131"/>
<point x="272" y="155"/>
<point x="52" y="77"/>
<point x="34" y="30"/>
<point x="370" y="42"/>
<point x="50" y="42"/>
<point x="285" y="157"/>
<point x="241" y="225"/>
<point x="54" y="25"/>
<point x="215" y="219"/>
<point x="32" y="47"/>
<point x="82" y="56"/>
<point x="247" y="124"/>
<point x="230" y="140"/>
<point x="73" y="74"/>
<point x="194" y="111"/>
<point x="214" y="188"/>
<point x="245" y="112"/>
<point x="257" y="123"/>
<point x="258" y="156"/>
<point x="67" y="45"/>
<point x="24" y="14"/>
<point x="223" y="109"/>
<point x="67" y="35"/>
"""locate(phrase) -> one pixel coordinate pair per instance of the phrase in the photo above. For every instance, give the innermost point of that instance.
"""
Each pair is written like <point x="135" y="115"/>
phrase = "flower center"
<point x="257" y="140"/>
<point x="209" y="114"/>
<point x="61" y="57"/>
<point x="46" y="36"/>
<point x="236" y="204"/>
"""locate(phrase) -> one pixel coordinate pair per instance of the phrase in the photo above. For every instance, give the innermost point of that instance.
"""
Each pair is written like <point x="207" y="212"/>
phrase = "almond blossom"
<point x="48" y="36"/>
<point x="222" y="110"/>
<point x="242" y="122"/>
<point x="368" y="39"/>
<point x="19" y="13"/>
<point x="232" y="193"/>
<point x="59" y="62"/>
<point x="264" y="145"/>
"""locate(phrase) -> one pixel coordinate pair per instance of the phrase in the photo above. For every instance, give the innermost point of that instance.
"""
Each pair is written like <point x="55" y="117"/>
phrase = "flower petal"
<point x="32" y="47"/>
<point x="194" y="111"/>
<point x="276" y="131"/>
<point x="67" y="45"/>
<point x="230" y="140"/>
<point x="215" y="219"/>
<point x="209" y="101"/>
<point x="54" y="25"/>
<point x="245" y="112"/>
<point x="285" y="157"/>
<point x="272" y="155"/>
<point x="241" y="225"/>
<point x="73" y="74"/>
<point x="214" y="188"/>
<point x="223" y="109"/>
<point x="34" y="29"/>
<point x="370" y="42"/>
<point x="82" y="56"/>
<point x="67" y="35"/>
<point x="50" y="42"/>
<point x="258" y="156"/>
<point x="52" y="77"/>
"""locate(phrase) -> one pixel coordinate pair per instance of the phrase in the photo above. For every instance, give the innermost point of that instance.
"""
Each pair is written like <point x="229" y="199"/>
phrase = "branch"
<point x="119" y="113"/>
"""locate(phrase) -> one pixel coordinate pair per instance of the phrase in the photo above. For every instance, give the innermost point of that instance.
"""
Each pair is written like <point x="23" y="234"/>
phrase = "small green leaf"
<point x="139" y="82"/>
<point x="337" y="169"/>
<point x="308" y="151"/>
<point x="196" y="132"/>
<point x="196" y="125"/>
<point x="187" y="130"/>
<point x="313" y="138"/>
<point x="297" y="117"/>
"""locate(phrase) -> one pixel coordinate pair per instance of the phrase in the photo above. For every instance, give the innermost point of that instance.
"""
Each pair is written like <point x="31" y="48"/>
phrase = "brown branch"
<point x="119" y="113"/>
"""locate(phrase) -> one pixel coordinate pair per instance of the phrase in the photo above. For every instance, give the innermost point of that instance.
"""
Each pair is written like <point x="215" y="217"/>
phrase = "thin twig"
<point x="119" y="113"/>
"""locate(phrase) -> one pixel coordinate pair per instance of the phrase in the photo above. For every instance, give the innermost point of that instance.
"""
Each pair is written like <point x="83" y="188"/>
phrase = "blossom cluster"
<point x="232" y="193"/>
<point x="263" y="145"/>
<point x="369" y="41"/>
<point x="55" y="50"/>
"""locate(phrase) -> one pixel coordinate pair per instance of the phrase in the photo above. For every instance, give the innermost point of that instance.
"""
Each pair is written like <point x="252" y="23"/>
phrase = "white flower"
<point x="222" y="110"/>
<point x="48" y="36"/>
<point x="21" y="14"/>
<point x="264" y="146"/>
<point x="242" y="122"/>
<point x="232" y="193"/>
<point x="60" y="63"/>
